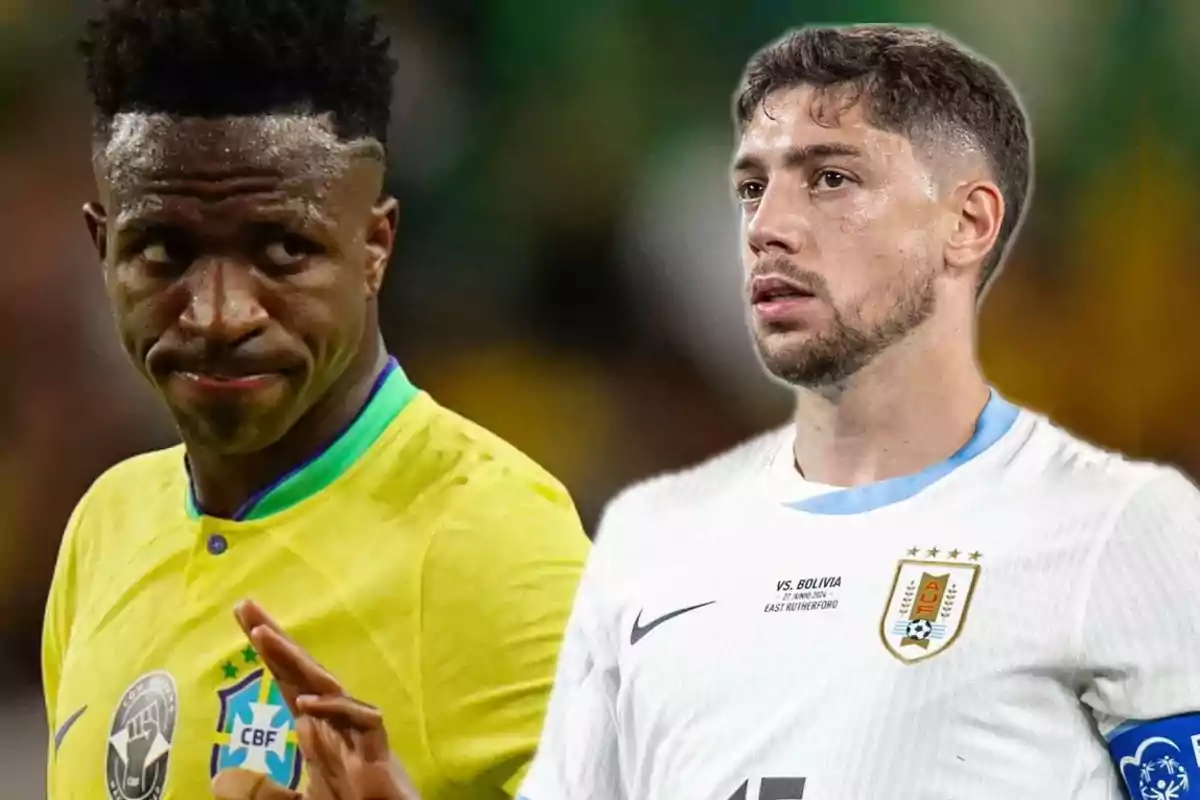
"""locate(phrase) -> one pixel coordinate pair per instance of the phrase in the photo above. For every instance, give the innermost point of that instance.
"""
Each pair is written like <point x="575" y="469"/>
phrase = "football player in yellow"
<point x="241" y="222"/>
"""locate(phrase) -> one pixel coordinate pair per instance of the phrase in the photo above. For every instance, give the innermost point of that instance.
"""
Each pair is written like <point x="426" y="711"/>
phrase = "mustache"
<point x="784" y="267"/>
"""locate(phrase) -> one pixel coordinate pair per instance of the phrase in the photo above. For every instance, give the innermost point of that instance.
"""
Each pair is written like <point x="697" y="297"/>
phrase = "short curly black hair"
<point x="912" y="81"/>
<point x="212" y="58"/>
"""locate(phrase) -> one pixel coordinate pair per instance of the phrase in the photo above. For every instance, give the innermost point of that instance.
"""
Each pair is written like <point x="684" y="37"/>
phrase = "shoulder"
<point x="1079" y="475"/>
<point x="445" y="457"/>
<point x="488" y="503"/>
<point x="118" y="504"/>
<point x="132" y="486"/>
<point x="1162" y="504"/>
<point x="648" y="506"/>
<point x="1120" y="501"/>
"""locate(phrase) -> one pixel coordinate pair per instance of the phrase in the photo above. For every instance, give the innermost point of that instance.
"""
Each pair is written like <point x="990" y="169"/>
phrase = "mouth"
<point x="231" y="378"/>
<point x="214" y="381"/>
<point x="773" y="289"/>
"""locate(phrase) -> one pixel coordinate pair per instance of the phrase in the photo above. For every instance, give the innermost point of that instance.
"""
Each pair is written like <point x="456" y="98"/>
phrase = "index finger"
<point x="251" y="615"/>
<point x="294" y="670"/>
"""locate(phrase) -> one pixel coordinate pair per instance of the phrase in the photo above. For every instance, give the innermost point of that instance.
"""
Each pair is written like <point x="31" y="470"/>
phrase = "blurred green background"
<point x="567" y="271"/>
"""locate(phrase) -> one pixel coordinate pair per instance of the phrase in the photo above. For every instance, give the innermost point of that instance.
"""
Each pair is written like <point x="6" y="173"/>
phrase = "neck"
<point x="914" y="405"/>
<point x="224" y="483"/>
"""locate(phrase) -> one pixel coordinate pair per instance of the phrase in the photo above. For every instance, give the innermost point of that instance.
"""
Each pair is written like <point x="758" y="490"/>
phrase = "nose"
<point x="779" y="222"/>
<point x="223" y="308"/>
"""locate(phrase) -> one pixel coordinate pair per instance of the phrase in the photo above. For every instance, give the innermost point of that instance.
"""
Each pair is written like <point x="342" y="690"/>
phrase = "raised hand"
<point x="343" y="741"/>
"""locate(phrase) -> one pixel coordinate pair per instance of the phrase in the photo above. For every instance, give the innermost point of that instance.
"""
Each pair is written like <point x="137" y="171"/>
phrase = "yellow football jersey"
<point x="425" y="562"/>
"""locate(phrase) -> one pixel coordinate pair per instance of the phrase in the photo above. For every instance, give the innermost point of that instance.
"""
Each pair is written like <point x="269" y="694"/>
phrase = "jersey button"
<point x="217" y="544"/>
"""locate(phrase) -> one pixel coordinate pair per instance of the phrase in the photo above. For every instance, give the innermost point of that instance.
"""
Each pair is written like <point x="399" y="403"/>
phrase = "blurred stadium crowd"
<point x="566" y="273"/>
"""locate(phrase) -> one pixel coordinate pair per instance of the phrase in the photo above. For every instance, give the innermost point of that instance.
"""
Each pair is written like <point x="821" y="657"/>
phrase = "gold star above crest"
<point x="954" y="553"/>
<point x="975" y="556"/>
<point x="932" y="552"/>
<point x="912" y="551"/>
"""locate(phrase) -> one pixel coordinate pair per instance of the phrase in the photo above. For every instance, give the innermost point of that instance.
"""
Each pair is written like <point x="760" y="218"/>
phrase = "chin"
<point x="230" y="434"/>
<point x="786" y="347"/>
<point x="803" y="364"/>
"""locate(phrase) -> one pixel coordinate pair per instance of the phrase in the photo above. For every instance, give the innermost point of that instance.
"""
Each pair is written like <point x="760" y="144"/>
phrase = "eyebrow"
<point x="145" y="216"/>
<point x="799" y="156"/>
<point x="212" y="188"/>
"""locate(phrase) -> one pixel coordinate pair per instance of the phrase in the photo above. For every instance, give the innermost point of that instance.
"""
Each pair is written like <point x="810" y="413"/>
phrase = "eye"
<point x="750" y="190"/>
<point x="830" y="179"/>
<point x="288" y="251"/>
<point x="156" y="253"/>
<point x="164" y="251"/>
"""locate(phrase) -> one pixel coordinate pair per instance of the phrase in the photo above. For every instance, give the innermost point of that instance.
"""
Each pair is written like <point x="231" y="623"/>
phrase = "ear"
<point x="980" y="213"/>
<point x="381" y="239"/>
<point x="97" y="223"/>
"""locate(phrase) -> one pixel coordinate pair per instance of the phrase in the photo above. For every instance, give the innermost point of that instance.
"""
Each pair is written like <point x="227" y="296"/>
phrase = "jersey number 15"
<point x="773" y="789"/>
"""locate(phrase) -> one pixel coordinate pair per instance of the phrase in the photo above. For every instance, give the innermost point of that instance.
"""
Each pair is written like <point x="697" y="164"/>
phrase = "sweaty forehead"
<point x="301" y="152"/>
<point x="803" y="116"/>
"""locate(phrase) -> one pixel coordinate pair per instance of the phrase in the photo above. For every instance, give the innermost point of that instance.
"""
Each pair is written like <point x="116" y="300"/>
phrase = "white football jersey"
<point x="972" y="632"/>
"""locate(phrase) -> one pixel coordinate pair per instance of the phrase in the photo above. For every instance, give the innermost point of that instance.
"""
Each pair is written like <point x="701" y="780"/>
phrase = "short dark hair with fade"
<point x="214" y="58"/>
<point x="913" y="81"/>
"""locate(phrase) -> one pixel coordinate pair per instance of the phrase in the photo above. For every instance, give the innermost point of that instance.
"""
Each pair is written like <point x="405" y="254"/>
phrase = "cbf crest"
<point x="255" y="728"/>
<point x="928" y="605"/>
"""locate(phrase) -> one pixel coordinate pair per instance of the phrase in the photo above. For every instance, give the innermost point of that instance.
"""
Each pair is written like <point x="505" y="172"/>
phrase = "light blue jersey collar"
<point x="994" y="421"/>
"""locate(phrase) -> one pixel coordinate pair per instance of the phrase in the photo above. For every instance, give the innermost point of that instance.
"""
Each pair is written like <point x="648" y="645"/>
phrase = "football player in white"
<point x="918" y="590"/>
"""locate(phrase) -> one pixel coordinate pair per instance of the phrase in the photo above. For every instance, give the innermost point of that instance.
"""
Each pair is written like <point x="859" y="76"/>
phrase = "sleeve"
<point x="497" y="587"/>
<point x="1141" y="634"/>
<point x="578" y="755"/>
<point x="56" y="627"/>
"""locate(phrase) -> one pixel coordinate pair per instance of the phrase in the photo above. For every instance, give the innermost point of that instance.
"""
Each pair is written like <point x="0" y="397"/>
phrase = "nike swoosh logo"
<point x="640" y="630"/>
<point x="61" y="733"/>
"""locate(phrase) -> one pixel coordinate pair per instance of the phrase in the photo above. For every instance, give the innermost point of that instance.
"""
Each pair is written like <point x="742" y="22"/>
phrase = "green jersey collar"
<point x="391" y="393"/>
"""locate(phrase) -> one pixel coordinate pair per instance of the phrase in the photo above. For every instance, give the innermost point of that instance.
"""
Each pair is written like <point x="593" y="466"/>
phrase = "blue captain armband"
<point x="1158" y="758"/>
